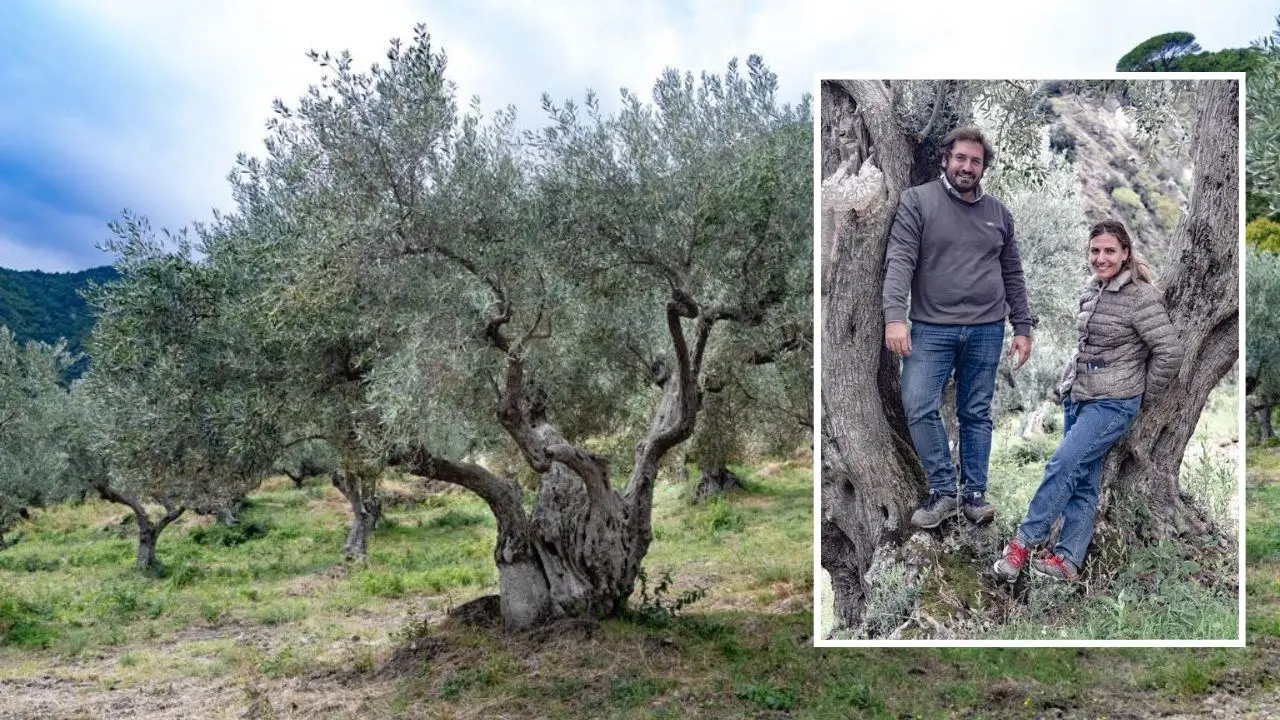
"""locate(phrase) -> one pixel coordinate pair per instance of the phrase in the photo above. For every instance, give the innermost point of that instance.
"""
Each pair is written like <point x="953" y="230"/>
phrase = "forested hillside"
<point x="43" y="306"/>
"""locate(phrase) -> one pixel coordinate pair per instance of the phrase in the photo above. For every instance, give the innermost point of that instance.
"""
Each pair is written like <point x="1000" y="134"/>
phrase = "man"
<point x="952" y="247"/>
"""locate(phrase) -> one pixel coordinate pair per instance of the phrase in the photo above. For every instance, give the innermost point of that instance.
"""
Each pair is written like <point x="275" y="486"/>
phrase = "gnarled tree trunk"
<point x="870" y="474"/>
<point x="579" y="552"/>
<point x="1261" y="413"/>
<point x="148" y="531"/>
<point x="360" y="488"/>
<point x="1140" y="480"/>
<point x="714" y="482"/>
<point x="1261" y="399"/>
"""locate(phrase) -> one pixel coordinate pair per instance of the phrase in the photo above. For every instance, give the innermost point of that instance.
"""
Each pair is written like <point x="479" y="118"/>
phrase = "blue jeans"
<point x="972" y="352"/>
<point x="1072" y="476"/>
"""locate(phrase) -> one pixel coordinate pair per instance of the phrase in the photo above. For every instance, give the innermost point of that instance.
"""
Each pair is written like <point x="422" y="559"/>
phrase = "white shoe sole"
<point x="1002" y="576"/>
<point x="1055" y="578"/>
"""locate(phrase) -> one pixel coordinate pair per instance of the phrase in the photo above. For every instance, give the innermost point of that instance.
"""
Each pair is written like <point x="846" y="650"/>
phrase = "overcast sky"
<point x="143" y="104"/>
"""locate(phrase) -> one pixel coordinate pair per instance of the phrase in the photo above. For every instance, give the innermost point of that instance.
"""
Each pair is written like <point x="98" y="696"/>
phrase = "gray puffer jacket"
<point x="1127" y="346"/>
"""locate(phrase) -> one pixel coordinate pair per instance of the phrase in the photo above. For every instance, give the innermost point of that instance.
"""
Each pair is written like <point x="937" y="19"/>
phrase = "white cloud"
<point x="24" y="256"/>
<point x="205" y="74"/>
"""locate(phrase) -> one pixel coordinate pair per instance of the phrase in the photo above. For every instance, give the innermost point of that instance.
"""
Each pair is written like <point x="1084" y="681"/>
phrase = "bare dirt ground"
<point x="99" y="687"/>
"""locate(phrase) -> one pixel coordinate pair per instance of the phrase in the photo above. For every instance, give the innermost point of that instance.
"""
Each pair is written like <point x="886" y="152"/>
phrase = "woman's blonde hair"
<point x="1136" y="266"/>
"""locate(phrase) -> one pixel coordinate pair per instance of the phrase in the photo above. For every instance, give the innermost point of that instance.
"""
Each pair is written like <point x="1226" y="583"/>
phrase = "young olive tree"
<point x="175" y="420"/>
<point x="451" y="287"/>
<point x="34" y="418"/>
<point x="1262" y="342"/>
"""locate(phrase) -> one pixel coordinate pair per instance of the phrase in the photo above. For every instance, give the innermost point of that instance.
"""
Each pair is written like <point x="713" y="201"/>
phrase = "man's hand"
<point x="1020" y="349"/>
<point x="897" y="339"/>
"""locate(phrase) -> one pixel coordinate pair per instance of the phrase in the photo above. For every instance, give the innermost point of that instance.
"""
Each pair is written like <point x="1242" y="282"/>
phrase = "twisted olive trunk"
<point x="1141" y="494"/>
<point x="578" y="553"/>
<point x="148" y="531"/>
<point x="870" y="474"/>
<point x="361" y="491"/>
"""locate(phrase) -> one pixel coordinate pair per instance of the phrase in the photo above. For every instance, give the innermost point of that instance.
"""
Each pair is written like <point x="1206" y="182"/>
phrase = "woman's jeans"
<point x="1073" y="474"/>
<point x="972" y="352"/>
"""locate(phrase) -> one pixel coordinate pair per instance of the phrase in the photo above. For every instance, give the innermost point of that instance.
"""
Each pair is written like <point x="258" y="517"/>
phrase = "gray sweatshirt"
<point x="959" y="260"/>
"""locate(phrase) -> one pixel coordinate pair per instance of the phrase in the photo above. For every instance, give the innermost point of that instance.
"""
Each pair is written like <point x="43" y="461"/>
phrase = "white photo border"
<point x="1239" y="641"/>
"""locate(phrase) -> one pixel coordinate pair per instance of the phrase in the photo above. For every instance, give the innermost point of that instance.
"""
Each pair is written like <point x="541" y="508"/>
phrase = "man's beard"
<point x="963" y="183"/>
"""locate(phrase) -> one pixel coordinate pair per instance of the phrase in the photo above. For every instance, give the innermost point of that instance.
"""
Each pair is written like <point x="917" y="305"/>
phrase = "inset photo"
<point x="1030" y="328"/>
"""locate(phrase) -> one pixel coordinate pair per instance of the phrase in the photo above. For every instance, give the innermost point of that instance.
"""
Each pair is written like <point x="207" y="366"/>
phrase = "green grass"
<point x="69" y="585"/>
<point x="1262" y="543"/>
<point x="750" y="664"/>
<point x="731" y="654"/>
<point x="1158" y="595"/>
<point x="769" y="521"/>
<point x="274" y="599"/>
<point x="1163" y="591"/>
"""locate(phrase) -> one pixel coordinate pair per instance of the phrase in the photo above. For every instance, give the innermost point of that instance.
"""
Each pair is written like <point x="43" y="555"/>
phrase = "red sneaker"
<point x="1015" y="558"/>
<point x="1055" y="567"/>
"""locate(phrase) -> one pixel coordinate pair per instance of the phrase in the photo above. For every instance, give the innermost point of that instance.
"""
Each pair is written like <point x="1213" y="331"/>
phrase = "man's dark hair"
<point x="969" y="133"/>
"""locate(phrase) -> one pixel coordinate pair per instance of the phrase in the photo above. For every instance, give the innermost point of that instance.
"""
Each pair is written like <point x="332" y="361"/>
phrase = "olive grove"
<point x="426" y="286"/>
<point x="1262" y="202"/>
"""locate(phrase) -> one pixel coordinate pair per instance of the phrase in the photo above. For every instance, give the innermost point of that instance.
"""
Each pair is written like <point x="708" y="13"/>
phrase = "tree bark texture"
<point x="1263" y="415"/>
<point x="714" y="482"/>
<point x="1262" y="397"/>
<point x="870" y="473"/>
<point x="1140" y="480"/>
<point x="361" y="491"/>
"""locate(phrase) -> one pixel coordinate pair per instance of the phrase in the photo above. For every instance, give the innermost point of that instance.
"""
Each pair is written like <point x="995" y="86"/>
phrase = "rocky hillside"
<point x="1146" y="186"/>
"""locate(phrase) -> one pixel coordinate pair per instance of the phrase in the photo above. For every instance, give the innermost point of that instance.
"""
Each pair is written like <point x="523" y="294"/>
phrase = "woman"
<point x="1127" y="352"/>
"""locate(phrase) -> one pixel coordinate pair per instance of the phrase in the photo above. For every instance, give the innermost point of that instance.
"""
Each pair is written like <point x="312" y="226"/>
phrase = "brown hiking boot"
<point x="934" y="510"/>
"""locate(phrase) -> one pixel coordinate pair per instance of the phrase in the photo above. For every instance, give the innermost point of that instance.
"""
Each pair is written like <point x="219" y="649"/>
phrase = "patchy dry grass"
<point x="268" y="620"/>
<point x="362" y="650"/>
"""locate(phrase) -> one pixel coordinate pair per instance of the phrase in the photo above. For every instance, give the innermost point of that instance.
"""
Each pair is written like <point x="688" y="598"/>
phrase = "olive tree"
<point x="1262" y="342"/>
<point x="1262" y="199"/>
<point x="1051" y="234"/>
<point x="450" y="286"/>
<point x="170" y="417"/>
<point x="757" y="394"/>
<point x="309" y="458"/>
<point x="34" y="418"/>
<point x="1262" y="141"/>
